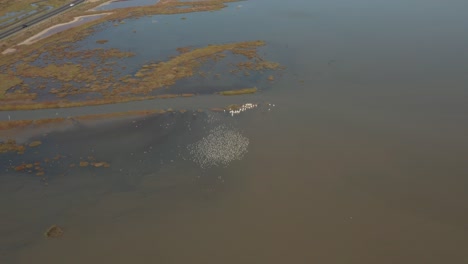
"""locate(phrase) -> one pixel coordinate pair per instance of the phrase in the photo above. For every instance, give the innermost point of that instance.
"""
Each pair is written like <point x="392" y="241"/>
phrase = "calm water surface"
<point x="363" y="158"/>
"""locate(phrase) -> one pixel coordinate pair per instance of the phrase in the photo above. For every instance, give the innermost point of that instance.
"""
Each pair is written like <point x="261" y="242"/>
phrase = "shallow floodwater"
<point x="63" y="27"/>
<point x="124" y="3"/>
<point x="356" y="154"/>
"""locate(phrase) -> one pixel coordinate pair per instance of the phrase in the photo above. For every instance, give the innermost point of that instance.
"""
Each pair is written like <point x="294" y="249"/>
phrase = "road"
<point x="39" y="19"/>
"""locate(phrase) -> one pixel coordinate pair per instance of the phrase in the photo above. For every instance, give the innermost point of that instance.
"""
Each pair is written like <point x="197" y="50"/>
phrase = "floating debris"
<point x="84" y="164"/>
<point x="219" y="148"/>
<point x="54" y="232"/>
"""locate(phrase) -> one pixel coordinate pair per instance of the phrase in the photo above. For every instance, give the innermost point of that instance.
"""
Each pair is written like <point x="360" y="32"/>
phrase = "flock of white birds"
<point x="219" y="148"/>
<point x="242" y="108"/>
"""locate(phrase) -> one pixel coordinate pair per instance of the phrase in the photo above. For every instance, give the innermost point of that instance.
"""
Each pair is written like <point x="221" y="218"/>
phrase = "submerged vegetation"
<point x="163" y="74"/>
<point x="35" y="144"/>
<point x="54" y="232"/>
<point x="128" y="88"/>
<point x="240" y="91"/>
<point x="95" y="74"/>
<point x="53" y="73"/>
<point x="11" y="146"/>
<point x="8" y="81"/>
<point x="102" y="41"/>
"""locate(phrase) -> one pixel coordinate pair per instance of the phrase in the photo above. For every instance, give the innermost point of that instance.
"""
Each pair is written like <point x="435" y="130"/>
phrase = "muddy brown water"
<point x="362" y="158"/>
